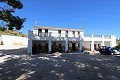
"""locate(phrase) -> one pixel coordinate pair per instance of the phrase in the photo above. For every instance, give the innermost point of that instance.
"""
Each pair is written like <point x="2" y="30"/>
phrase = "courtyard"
<point x="16" y="64"/>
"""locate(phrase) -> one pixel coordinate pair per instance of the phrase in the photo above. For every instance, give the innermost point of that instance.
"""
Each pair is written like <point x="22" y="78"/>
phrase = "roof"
<point x="55" y="28"/>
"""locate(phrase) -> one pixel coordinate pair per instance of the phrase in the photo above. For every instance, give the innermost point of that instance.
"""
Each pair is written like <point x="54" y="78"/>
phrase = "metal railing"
<point x="43" y="34"/>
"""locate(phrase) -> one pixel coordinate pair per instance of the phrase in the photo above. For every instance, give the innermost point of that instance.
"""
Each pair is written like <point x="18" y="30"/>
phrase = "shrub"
<point x="2" y="29"/>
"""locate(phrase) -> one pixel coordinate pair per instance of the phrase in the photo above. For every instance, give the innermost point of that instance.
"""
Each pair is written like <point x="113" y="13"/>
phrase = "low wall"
<point x="14" y="40"/>
<point x="0" y="40"/>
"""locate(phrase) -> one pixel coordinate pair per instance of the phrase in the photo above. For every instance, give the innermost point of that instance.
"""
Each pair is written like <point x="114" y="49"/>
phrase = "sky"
<point x="98" y="16"/>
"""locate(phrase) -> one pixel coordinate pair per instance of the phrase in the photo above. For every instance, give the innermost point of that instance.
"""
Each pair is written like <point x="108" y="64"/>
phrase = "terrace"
<point x="63" y="36"/>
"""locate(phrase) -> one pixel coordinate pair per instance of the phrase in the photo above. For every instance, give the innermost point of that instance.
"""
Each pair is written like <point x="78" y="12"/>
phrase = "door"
<point x="95" y="46"/>
<point x="73" y="46"/>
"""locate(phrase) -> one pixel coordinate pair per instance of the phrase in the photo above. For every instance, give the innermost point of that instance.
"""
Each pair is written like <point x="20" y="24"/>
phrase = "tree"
<point x="6" y="14"/>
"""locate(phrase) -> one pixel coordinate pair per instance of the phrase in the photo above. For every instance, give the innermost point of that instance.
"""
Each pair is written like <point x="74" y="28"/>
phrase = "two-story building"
<point x="47" y="39"/>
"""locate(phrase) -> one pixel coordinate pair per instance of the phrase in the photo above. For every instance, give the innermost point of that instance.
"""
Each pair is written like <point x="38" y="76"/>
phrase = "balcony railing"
<point x="97" y="36"/>
<point x="43" y="34"/>
<point x="62" y="36"/>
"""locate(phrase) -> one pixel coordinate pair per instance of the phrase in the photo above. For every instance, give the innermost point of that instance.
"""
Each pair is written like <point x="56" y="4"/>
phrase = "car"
<point x="105" y="50"/>
<point x="116" y="52"/>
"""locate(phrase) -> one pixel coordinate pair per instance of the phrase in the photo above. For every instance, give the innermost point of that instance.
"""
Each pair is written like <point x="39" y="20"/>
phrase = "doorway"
<point x="95" y="46"/>
<point x="73" y="47"/>
<point x="46" y="47"/>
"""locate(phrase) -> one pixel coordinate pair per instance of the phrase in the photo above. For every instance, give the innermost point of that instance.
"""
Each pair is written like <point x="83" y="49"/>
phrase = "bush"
<point x="2" y="29"/>
<point x="118" y="46"/>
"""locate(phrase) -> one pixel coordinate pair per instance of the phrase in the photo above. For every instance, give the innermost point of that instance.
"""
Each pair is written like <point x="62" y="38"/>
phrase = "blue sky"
<point x="98" y="16"/>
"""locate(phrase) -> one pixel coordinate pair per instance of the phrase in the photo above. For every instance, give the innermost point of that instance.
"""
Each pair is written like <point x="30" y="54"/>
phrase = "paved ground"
<point x="20" y="66"/>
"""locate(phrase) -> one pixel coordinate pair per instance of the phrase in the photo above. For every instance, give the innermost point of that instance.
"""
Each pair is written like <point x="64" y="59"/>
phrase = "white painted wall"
<point x="63" y="33"/>
<point x="35" y="32"/>
<point x="86" y="44"/>
<point x="70" y="34"/>
<point x="82" y="34"/>
<point x="76" y="34"/>
<point x="43" y="30"/>
<point x="54" y="33"/>
<point x="12" y="40"/>
<point x="0" y="39"/>
<point x="107" y="43"/>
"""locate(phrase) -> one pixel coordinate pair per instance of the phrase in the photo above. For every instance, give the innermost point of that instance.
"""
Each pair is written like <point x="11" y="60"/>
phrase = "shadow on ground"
<point x="21" y="66"/>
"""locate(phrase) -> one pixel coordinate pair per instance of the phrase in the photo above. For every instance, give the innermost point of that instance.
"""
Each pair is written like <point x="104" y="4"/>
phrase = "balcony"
<point x="54" y="36"/>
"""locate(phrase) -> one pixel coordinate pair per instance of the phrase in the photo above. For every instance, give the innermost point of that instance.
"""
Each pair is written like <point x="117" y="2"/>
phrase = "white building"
<point x="46" y="39"/>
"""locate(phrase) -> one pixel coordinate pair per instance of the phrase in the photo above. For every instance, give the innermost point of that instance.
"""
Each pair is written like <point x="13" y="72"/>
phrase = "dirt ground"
<point x="16" y="64"/>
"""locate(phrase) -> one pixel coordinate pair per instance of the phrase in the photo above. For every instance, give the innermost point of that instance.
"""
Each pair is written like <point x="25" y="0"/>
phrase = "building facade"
<point x="51" y="39"/>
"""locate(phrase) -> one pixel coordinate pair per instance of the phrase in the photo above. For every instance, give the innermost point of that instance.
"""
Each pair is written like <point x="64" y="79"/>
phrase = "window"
<point x="46" y="32"/>
<point x="66" y="34"/>
<point x="39" y="32"/>
<point x="73" y="33"/>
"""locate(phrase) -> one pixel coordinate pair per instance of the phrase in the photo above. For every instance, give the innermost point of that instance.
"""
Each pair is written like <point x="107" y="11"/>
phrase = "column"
<point x="103" y="42"/>
<point x="66" y="42"/>
<point x="80" y="44"/>
<point x="92" y="43"/>
<point x="113" y="41"/>
<point x="30" y="41"/>
<point x="49" y="43"/>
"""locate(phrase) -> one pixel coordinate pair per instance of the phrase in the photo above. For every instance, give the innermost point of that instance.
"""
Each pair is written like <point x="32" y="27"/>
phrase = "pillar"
<point x="49" y="43"/>
<point x="92" y="43"/>
<point x="66" y="42"/>
<point x="103" y="42"/>
<point x="80" y="44"/>
<point x="30" y="34"/>
<point x="113" y="41"/>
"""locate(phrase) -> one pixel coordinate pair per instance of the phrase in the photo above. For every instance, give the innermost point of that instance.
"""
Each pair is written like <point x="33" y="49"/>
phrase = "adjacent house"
<point x="50" y="39"/>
